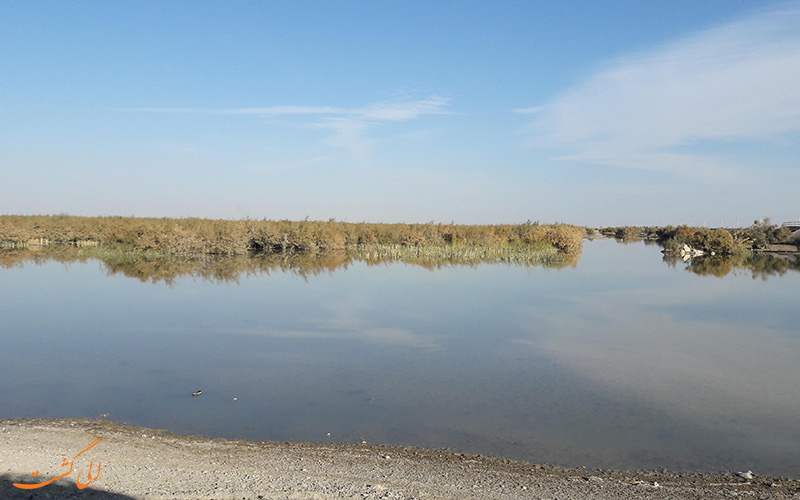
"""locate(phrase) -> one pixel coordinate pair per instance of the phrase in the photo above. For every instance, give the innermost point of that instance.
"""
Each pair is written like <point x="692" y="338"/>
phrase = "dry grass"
<point x="191" y="237"/>
<point x="222" y="250"/>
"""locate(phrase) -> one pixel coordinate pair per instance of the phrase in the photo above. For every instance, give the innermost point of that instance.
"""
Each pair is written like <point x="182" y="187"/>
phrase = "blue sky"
<point x="591" y="113"/>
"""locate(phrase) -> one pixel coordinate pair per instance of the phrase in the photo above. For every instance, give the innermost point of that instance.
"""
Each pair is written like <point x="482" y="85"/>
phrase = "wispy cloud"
<point x="262" y="111"/>
<point x="736" y="82"/>
<point x="350" y="125"/>
<point x="349" y="134"/>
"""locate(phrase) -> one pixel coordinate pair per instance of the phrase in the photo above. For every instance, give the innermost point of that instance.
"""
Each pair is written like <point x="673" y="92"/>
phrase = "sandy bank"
<point x="139" y="463"/>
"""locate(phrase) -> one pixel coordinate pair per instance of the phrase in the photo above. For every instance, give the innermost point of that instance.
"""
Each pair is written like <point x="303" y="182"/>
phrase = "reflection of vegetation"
<point x="763" y="266"/>
<point x="729" y="251"/>
<point x="437" y="256"/>
<point x="759" y="265"/>
<point x="717" y="265"/>
<point x="157" y="266"/>
<point x="161" y="249"/>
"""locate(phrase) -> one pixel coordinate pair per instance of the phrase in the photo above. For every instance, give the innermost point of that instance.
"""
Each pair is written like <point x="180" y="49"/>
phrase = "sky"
<point x="475" y="112"/>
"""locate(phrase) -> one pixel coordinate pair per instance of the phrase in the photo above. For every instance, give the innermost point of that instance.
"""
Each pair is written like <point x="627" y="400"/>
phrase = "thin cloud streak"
<point x="737" y="82"/>
<point x="382" y="111"/>
<point x="262" y="111"/>
<point x="350" y="125"/>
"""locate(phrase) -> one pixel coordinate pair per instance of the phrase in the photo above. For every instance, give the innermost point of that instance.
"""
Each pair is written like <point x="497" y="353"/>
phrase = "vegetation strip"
<point x="761" y="236"/>
<point x="143" y="239"/>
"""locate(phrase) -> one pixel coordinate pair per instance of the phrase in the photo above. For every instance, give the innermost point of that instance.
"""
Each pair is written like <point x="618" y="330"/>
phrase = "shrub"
<point x="720" y="241"/>
<point x="224" y="237"/>
<point x="762" y="234"/>
<point x="627" y="232"/>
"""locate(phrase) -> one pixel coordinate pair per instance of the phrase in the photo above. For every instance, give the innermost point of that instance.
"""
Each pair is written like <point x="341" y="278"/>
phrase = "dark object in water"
<point x="196" y="393"/>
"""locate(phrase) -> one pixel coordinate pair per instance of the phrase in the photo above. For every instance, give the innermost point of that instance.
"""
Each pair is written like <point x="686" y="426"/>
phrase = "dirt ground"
<point x="138" y="463"/>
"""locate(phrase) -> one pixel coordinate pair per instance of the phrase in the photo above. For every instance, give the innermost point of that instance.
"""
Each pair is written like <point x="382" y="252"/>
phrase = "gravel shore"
<point x="140" y="463"/>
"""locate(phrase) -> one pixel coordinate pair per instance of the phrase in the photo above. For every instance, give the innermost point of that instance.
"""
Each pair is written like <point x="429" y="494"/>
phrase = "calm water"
<point x="622" y="361"/>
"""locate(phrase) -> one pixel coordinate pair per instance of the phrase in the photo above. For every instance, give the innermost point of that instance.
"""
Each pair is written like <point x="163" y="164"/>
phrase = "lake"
<point x="619" y="361"/>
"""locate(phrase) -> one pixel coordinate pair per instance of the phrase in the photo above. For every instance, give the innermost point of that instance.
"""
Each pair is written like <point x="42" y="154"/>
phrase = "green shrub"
<point x="763" y="234"/>
<point x="719" y="241"/>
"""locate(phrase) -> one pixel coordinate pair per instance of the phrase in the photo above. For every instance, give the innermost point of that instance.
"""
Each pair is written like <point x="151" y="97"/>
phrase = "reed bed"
<point x="192" y="237"/>
<point x="222" y="250"/>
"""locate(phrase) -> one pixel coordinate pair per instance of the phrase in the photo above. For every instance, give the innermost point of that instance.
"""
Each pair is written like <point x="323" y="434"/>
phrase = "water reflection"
<point x="156" y="267"/>
<point x="619" y="361"/>
<point x="759" y="265"/>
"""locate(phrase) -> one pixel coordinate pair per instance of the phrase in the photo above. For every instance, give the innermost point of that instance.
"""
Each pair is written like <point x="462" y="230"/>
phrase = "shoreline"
<point x="139" y="463"/>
